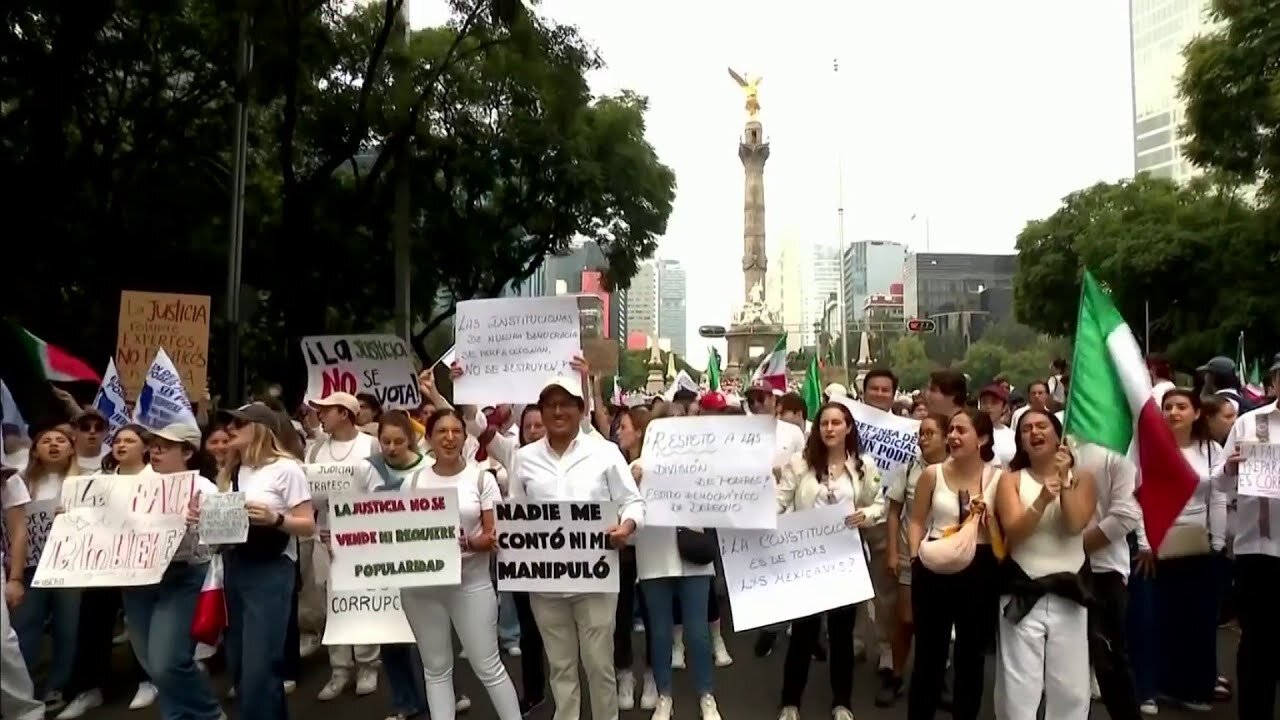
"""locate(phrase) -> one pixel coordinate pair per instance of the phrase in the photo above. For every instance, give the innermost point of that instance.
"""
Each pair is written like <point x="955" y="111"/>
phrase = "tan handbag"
<point x="1188" y="540"/>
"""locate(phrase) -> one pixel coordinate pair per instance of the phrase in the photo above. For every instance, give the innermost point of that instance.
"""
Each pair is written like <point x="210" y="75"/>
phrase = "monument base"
<point x="741" y="338"/>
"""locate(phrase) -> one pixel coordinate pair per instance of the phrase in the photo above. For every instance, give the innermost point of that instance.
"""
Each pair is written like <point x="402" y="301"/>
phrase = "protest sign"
<point x="811" y="563"/>
<point x="366" y="617"/>
<point x="510" y="348"/>
<point x="162" y="401"/>
<point x="110" y="401"/>
<point x="1260" y="471"/>
<point x="175" y="323"/>
<point x="710" y="472"/>
<point x="324" y="479"/>
<point x="223" y="519"/>
<point x="116" y="531"/>
<point x="393" y="540"/>
<point x="556" y="547"/>
<point x="889" y="439"/>
<point x="379" y="365"/>
<point x="39" y="515"/>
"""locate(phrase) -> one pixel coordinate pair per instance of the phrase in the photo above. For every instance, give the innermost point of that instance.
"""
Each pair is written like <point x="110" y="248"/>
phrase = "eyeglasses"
<point x="92" y="427"/>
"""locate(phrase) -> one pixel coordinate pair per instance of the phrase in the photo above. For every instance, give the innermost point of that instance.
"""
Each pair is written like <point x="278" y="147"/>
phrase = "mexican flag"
<point x="713" y="370"/>
<point x="28" y="364"/>
<point x="811" y="391"/>
<point x="773" y="368"/>
<point x="1111" y="404"/>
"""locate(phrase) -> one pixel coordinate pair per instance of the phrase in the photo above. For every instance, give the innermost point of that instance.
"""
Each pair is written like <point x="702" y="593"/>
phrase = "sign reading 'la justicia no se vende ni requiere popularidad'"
<point x="384" y="540"/>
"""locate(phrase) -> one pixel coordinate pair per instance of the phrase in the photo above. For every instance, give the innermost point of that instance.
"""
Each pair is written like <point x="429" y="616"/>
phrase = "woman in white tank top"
<point x="1044" y="507"/>
<point x="947" y="493"/>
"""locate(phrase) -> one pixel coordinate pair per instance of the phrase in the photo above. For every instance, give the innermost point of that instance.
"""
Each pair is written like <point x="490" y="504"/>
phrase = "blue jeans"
<point x="60" y="608"/>
<point x="508" y="621"/>
<point x="159" y="620"/>
<point x="403" y="667"/>
<point x="1188" y="614"/>
<point x="1144" y="628"/>
<point x="259" y="597"/>
<point x="660" y="597"/>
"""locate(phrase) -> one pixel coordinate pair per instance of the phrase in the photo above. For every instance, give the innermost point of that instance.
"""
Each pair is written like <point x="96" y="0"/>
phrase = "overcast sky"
<point x="976" y="116"/>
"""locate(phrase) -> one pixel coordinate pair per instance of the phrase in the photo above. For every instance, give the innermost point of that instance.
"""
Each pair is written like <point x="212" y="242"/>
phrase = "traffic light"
<point x="920" y="325"/>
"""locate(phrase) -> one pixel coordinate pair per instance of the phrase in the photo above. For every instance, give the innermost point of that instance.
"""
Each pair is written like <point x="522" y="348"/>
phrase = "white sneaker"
<point x="462" y="654"/>
<point x="231" y="693"/>
<point x="1095" y="693"/>
<point x="366" y="681"/>
<point x="462" y="704"/>
<point x="722" y="656"/>
<point x="626" y="690"/>
<point x="332" y="689"/>
<point x="122" y="638"/>
<point x="663" y="710"/>
<point x="707" y="704"/>
<point x="1149" y="708"/>
<point x="514" y="651"/>
<point x="53" y="701"/>
<point x="841" y="713"/>
<point x="790" y="712"/>
<point x="146" y="695"/>
<point x="81" y="704"/>
<point x="677" y="653"/>
<point x="649" y="696"/>
<point x="308" y="645"/>
<point x="289" y="686"/>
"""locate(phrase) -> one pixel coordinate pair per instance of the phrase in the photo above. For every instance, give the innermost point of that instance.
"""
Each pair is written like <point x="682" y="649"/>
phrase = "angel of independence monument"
<point x="755" y="327"/>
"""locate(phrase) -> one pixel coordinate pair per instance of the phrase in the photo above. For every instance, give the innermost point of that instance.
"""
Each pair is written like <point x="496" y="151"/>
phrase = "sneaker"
<point x="707" y="704"/>
<point x="1095" y="693"/>
<point x="722" y="656"/>
<point x="889" y="692"/>
<point x="1149" y="708"/>
<point x="528" y="706"/>
<point x="462" y="654"/>
<point x="289" y="686"/>
<point x="841" y="713"/>
<point x="308" y="645"/>
<point x="231" y="693"/>
<point x="649" y="696"/>
<point x="637" y="626"/>
<point x="53" y="701"/>
<point x="663" y="711"/>
<point x="764" y="643"/>
<point x="81" y="704"/>
<point x="122" y="638"/>
<point x="626" y="690"/>
<point x="677" y="654"/>
<point x="332" y="689"/>
<point x="462" y="704"/>
<point x="514" y="651"/>
<point x="790" y="712"/>
<point x="366" y="681"/>
<point x="1197" y="706"/>
<point x="145" y="696"/>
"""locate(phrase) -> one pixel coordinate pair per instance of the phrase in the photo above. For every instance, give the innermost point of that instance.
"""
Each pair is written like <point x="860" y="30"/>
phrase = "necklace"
<point x="350" y="449"/>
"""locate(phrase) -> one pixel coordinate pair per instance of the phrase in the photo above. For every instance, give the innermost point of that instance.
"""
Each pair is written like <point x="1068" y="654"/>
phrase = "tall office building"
<point x="935" y="284"/>
<point x="642" y="300"/>
<point x="821" y="281"/>
<point x="787" y="292"/>
<point x="581" y="270"/>
<point x="1160" y="29"/>
<point x="671" y="304"/>
<point x="870" y="267"/>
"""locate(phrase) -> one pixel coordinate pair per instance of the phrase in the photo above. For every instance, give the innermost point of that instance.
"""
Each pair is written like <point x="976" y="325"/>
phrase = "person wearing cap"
<point x="91" y="431"/>
<point x="835" y="390"/>
<point x="1257" y="553"/>
<point x="341" y="443"/>
<point x="158" y="617"/>
<point x="569" y="464"/>
<point x="789" y="438"/>
<point x="1219" y="377"/>
<point x="261" y="572"/>
<point x="994" y="401"/>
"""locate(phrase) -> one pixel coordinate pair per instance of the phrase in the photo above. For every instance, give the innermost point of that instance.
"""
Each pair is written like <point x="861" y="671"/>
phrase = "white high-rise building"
<point x="672" y="325"/>
<point x="822" y="281"/>
<point x="787" y="291"/>
<point x="642" y="300"/>
<point x="1160" y="30"/>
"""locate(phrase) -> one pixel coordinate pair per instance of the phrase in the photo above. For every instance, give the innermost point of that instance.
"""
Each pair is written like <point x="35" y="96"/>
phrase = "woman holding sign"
<point x="471" y="608"/>
<point x="831" y="470"/>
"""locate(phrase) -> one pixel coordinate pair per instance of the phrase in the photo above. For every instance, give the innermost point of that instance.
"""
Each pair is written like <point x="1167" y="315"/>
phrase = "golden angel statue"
<point x="751" y="89"/>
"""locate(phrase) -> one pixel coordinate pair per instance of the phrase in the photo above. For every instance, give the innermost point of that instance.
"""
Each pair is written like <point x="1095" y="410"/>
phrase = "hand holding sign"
<point x="260" y="514"/>
<point x="856" y="520"/>
<point x="620" y="534"/>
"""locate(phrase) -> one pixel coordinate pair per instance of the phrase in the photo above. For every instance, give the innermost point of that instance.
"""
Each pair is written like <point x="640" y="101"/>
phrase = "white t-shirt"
<point x="790" y="441"/>
<point x="342" y="452"/>
<point x="12" y="494"/>
<point x="90" y="464"/>
<point x="1004" y="443"/>
<point x="280" y="485"/>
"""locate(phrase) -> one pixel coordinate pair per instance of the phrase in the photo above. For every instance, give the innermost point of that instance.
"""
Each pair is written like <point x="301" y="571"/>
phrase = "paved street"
<point x="746" y="691"/>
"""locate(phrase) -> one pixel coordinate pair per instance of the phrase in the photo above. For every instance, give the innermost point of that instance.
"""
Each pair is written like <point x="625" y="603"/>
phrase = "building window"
<point x="1151" y="142"/>
<point x="1157" y="157"/>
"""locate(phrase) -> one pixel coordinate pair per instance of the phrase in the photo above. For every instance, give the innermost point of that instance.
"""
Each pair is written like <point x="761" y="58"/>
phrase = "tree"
<point x="1193" y="256"/>
<point x="910" y="363"/>
<point x="633" y="369"/>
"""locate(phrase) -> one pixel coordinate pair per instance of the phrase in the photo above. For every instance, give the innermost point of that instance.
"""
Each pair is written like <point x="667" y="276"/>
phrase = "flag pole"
<point x="1075" y="351"/>
<point x="844" y="299"/>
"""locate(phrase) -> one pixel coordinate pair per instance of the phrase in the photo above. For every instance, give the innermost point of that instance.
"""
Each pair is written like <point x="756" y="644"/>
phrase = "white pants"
<point x="343" y="659"/>
<point x="17" y="694"/>
<point x="472" y="609"/>
<point x="1046" y="654"/>
<point x="573" y="626"/>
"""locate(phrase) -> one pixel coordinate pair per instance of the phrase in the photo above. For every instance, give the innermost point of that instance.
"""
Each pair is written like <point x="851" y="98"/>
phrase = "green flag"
<point x="713" y="370"/>
<point x="811" y="391"/>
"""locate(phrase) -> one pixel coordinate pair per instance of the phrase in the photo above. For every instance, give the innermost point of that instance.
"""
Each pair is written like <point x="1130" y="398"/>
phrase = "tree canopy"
<point x="117" y="128"/>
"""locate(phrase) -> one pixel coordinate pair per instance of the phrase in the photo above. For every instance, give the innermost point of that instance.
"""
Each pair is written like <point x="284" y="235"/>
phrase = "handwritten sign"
<point x="888" y="438"/>
<point x="1260" y="471"/>
<point x="39" y="516"/>
<point x="556" y="547"/>
<point x="324" y="479"/>
<point x="366" y="617"/>
<point x="380" y="365"/>
<point x="710" y="472"/>
<point x="223" y="519"/>
<point x="385" y="540"/>
<point x="116" y="531"/>
<point x="511" y="348"/>
<point x="175" y="323"/>
<point x="810" y="564"/>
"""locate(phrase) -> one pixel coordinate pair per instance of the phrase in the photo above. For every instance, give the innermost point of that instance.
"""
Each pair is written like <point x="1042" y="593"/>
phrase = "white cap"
<point x="573" y="386"/>
<point x="835" y="390"/>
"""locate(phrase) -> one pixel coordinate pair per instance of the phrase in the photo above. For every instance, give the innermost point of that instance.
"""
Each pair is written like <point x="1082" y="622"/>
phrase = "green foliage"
<point x="633" y="369"/>
<point x="799" y="360"/>
<point x="909" y="361"/>
<point x="115" y="119"/>
<point x="1195" y="256"/>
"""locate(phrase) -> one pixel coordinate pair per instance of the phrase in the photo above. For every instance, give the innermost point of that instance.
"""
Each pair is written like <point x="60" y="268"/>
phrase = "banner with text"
<point x="393" y="540"/>
<point x="889" y="438"/>
<point x="162" y="401"/>
<point x="1260" y="471"/>
<point x="173" y="322"/>
<point x="325" y="479"/>
<point x="556" y="547"/>
<point x="709" y="471"/>
<point x="811" y="563"/>
<point x="366" y="617"/>
<point x="116" y="531"/>
<point x="111" y="403"/>
<point x="511" y="348"/>
<point x="380" y="365"/>
<point x="39" y="515"/>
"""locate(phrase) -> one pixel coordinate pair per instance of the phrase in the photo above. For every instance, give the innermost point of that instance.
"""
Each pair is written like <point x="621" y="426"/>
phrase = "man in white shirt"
<point x="91" y="430"/>
<point x="1257" y="550"/>
<point x="569" y="464"/>
<point x="1117" y="515"/>
<point x="342" y="443"/>
<point x="790" y="439"/>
